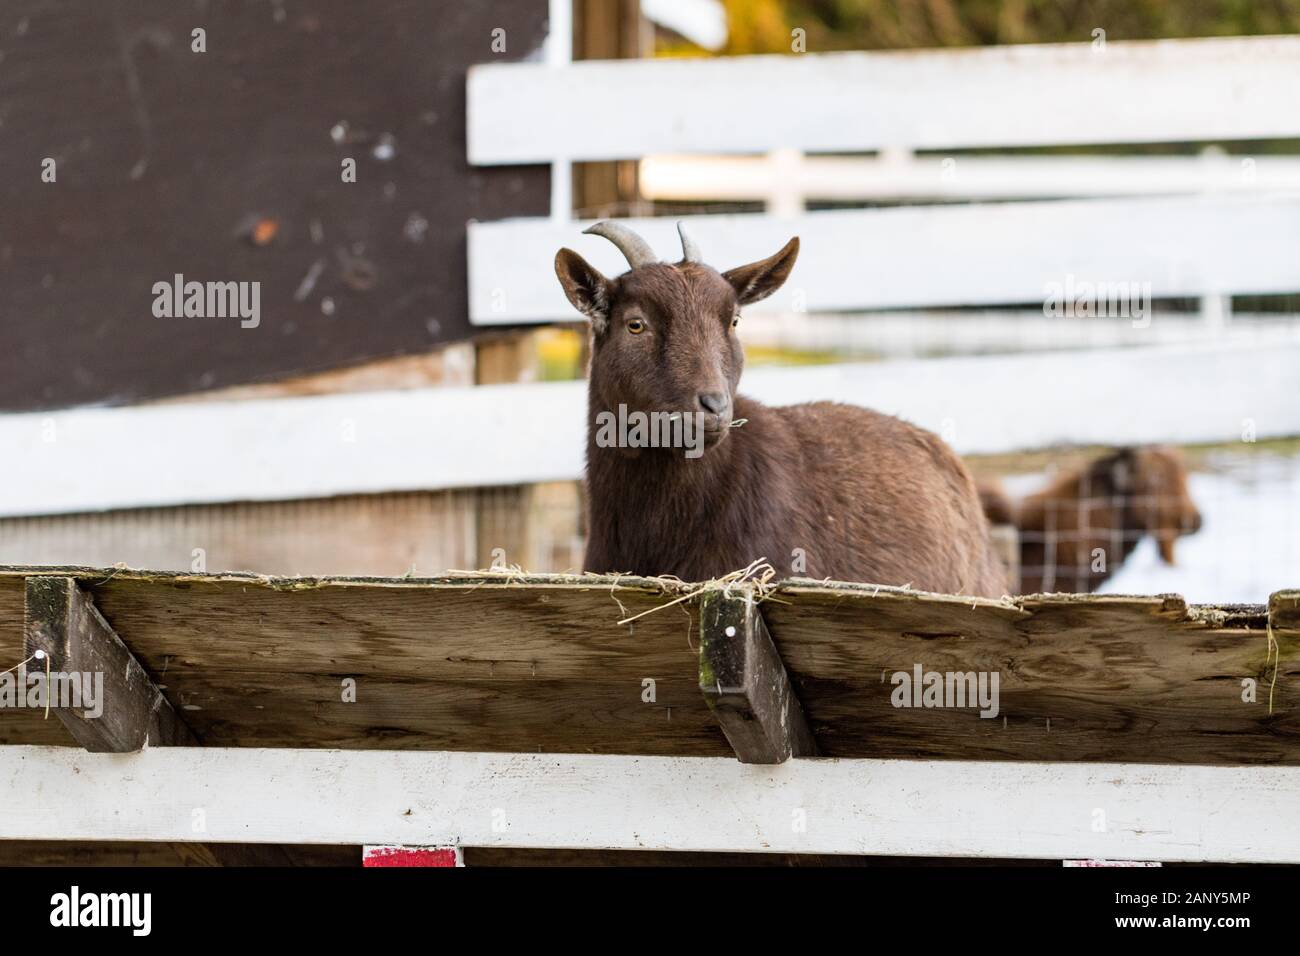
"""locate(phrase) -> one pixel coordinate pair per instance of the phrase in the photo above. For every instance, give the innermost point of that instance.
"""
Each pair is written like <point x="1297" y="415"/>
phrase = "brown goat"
<point x="1078" y="531"/>
<point x="835" y="490"/>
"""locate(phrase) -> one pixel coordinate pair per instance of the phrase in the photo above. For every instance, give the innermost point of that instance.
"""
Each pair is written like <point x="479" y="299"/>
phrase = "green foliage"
<point x="765" y="26"/>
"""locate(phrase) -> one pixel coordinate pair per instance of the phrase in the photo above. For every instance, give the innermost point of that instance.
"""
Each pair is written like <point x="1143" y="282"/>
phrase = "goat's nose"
<point x="715" y="402"/>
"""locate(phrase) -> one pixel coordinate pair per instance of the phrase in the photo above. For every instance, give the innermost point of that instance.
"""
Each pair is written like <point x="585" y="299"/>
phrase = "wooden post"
<point x="608" y="31"/>
<point x="745" y="683"/>
<point x="61" y="621"/>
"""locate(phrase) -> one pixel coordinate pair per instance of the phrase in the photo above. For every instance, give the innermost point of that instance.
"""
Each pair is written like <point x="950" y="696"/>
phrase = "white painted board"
<point x="925" y="256"/>
<point x="430" y="439"/>
<point x="879" y="807"/>
<point x="1027" y="95"/>
<point x="849" y="178"/>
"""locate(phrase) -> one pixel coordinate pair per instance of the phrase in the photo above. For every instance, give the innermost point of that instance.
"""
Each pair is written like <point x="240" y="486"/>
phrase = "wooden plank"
<point x="475" y="663"/>
<point x="62" y="623"/>
<point x="927" y="256"/>
<point x="956" y="332"/>
<point x="249" y="709"/>
<point x="542" y="663"/>
<point x="119" y="853"/>
<point x="510" y="434"/>
<point x="1023" y="95"/>
<point x="745" y="683"/>
<point x="1093" y="678"/>
<point x="979" y="402"/>
<point x="291" y="448"/>
<point x="883" y="807"/>
<point x="890" y="178"/>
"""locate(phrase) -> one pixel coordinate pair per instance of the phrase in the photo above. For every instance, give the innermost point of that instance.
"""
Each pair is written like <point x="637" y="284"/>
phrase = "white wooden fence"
<point x="586" y="801"/>
<point x="785" y="180"/>
<point x="928" y="255"/>
<point x="307" y="447"/>
<point x="429" y="439"/>
<point x="1045" y="95"/>
<point x="558" y="112"/>
<point x="1168" y="91"/>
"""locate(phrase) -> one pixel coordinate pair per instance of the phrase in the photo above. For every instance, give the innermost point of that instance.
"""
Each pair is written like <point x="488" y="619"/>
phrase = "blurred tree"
<point x="764" y="26"/>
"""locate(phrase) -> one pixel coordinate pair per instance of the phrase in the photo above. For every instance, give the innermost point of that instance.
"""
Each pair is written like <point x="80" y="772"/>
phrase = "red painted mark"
<point x="410" y="856"/>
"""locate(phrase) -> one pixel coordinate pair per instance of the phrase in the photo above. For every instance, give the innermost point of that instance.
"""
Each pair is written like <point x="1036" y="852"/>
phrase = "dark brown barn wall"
<point x="166" y="158"/>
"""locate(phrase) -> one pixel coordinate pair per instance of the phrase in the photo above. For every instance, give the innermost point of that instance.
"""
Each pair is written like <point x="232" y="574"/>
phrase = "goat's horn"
<point x="634" y="248"/>
<point x="690" y="251"/>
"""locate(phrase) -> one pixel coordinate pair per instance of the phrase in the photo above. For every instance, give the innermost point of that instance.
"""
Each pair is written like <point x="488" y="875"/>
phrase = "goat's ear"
<point x="586" y="288"/>
<point x="760" y="279"/>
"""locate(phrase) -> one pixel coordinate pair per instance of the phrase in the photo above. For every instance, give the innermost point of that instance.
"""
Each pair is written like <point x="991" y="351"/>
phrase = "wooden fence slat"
<point x="542" y="664"/>
<point x="1023" y="95"/>
<point x="511" y="434"/>
<point x="928" y="256"/>
<point x="802" y="179"/>
<point x="880" y="807"/>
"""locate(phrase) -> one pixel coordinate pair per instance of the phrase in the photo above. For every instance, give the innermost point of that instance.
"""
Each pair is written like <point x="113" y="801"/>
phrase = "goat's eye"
<point x="735" y="320"/>
<point x="635" y="326"/>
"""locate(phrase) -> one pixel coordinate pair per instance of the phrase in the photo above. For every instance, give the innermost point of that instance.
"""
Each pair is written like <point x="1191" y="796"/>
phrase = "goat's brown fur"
<point x="859" y="495"/>
<point x="1078" y="531"/>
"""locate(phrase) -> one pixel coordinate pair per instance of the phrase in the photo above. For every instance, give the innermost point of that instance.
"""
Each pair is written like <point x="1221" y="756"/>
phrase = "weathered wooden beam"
<point x="61" y="620"/>
<point x="745" y="682"/>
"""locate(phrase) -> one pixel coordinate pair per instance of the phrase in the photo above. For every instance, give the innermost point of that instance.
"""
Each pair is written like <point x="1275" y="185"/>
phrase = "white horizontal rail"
<point x="96" y="459"/>
<point x="908" y="334"/>
<point x="994" y="254"/>
<point x="289" y="448"/>
<point x="879" y="807"/>
<point x="889" y="178"/>
<point x="1131" y="92"/>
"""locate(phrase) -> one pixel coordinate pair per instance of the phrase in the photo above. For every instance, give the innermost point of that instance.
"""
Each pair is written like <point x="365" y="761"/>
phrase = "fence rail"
<point x="1039" y="95"/>
<point x="878" y="807"/>
<point x="922" y="256"/>
<point x="431" y="439"/>
<point x="787" y="180"/>
<point x="528" y="692"/>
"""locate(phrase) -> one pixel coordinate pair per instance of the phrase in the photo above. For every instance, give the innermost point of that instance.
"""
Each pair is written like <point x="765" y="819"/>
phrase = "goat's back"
<point x="886" y="502"/>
